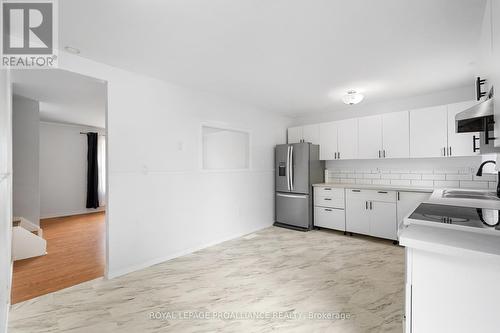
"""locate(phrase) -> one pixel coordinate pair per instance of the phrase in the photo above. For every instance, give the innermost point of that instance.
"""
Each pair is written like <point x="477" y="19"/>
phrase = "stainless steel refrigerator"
<point x="297" y="168"/>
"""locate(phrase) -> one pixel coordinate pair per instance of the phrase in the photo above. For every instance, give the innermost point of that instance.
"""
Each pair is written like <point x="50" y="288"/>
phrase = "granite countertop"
<point x="377" y="187"/>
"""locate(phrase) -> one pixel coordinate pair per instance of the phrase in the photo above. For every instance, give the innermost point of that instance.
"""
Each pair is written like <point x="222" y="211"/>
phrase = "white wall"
<point x="5" y="197"/>
<point x="366" y="109"/>
<point x="160" y="203"/>
<point x="63" y="169"/>
<point x="25" y="157"/>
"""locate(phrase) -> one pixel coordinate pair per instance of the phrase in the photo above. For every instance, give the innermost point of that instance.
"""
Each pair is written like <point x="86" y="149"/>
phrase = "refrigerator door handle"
<point x="294" y="196"/>
<point x="291" y="168"/>
<point x="288" y="168"/>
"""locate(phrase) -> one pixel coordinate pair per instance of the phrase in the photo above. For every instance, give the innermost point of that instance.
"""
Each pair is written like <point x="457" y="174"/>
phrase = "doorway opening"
<point x="59" y="181"/>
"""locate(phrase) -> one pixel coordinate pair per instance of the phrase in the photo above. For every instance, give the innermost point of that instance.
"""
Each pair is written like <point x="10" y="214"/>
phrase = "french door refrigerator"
<point x="297" y="168"/>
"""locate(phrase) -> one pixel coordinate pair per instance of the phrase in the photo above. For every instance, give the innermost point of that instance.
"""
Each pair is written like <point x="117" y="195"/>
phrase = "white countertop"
<point x="449" y="241"/>
<point x="378" y="187"/>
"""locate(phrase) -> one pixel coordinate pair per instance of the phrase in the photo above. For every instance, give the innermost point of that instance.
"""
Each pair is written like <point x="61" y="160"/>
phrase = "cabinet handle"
<point x="335" y="154"/>
<point x="382" y="192"/>
<point x="449" y="151"/>
<point x="397" y="196"/>
<point x="383" y="153"/>
<point x="356" y="190"/>
<point x="474" y="139"/>
<point x="328" y="199"/>
<point x="328" y="210"/>
<point x="444" y="151"/>
<point x="371" y="205"/>
<point x="338" y="153"/>
<point x="327" y="189"/>
<point x="366" y="204"/>
<point x="379" y="154"/>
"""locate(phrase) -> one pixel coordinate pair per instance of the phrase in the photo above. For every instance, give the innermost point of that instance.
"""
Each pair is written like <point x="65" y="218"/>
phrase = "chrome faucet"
<point x="479" y="173"/>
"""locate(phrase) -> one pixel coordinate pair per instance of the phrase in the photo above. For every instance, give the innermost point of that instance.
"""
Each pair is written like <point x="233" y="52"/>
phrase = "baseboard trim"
<point x="80" y="212"/>
<point x="149" y="263"/>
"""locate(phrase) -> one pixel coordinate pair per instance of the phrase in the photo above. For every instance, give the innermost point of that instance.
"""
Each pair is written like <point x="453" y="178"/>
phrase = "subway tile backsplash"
<point x="438" y="178"/>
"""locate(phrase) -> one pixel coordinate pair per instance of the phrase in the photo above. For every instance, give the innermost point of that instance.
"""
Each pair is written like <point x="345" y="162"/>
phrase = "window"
<point x="225" y="149"/>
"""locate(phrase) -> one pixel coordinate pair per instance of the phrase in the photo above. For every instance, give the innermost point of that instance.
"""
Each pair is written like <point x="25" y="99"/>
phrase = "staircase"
<point x="27" y="241"/>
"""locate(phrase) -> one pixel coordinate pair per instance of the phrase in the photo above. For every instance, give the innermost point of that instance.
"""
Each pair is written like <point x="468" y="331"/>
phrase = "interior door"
<point x="281" y="167"/>
<point x="428" y="132"/>
<point x="328" y="141"/>
<point x="300" y="168"/>
<point x="348" y="139"/>
<point x="370" y="137"/>
<point x="383" y="220"/>
<point x="396" y="134"/>
<point x="460" y="144"/>
<point x="293" y="209"/>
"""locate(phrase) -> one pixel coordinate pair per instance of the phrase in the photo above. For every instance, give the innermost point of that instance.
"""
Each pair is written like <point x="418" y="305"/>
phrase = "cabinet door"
<point x="396" y="134"/>
<point x="329" y="218"/>
<point x="310" y="133"/>
<point x="408" y="201"/>
<point x="383" y="221"/>
<point x="428" y="132"/>
<point x="328" y="141"/>
<point x="357" y="218"/>
<point x="370" y="137"/>
<point x="294" y="134"/>
<point x="348" y="139"/>
<point x="460" y="144"/>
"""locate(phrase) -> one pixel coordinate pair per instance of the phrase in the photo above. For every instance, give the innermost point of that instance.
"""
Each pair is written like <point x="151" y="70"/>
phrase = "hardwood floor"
<point x="75" y="254"/>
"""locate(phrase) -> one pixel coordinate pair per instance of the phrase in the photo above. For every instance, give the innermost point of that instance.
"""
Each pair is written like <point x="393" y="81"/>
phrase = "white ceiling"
<point x="284" y="55"/>
<point x="64" y="96"/>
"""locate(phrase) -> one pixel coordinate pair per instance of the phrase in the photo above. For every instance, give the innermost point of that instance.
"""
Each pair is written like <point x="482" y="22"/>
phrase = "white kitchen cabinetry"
<point x="408" y="201"/>
<point x="460" y="144"/>
<point x="347" y="139"/>
<point x="306" y="133"/>
<point x="371" y="212"/>
<point x="310" y="133"/>
<point x="329" y="208"/>
<point x="396" y="135"/>
<point x="328" y="141"/>
<point x="429" y="132"/>
<point x="370" y="137"/>
<point x="294" y="134"/>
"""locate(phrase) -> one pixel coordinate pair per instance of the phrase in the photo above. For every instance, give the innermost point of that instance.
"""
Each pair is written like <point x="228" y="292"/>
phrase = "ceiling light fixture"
<point x="73" y="50"/>
<point x="352" y="97"/>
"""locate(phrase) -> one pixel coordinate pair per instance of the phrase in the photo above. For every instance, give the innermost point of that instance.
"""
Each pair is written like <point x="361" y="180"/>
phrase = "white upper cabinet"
<point x="370" y="137"/>
<point x="328" y="141"/>
<point x="429" y="132"/>
<point x="396" y="135"/>
<point x="294" y="134"/>
<point x="310" y="133"/>
<point x="347" y="139"/>
<point x="460" y="144"/>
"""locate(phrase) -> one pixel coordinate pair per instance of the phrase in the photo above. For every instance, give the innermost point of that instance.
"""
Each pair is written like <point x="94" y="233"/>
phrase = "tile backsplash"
<point x="460" y="177"/>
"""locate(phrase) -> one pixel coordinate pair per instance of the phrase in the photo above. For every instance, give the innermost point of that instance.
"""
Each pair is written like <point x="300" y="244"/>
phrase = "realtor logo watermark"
<point x="29" y="34"/>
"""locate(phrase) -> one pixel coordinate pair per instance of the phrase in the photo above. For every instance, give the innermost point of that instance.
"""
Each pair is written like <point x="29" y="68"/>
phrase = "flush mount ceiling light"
<point x="352" y="97"/>
<point x="71" y="49"/>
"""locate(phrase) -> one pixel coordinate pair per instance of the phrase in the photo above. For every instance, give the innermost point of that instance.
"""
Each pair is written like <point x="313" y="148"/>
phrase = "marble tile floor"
<point x="279" y="275"/>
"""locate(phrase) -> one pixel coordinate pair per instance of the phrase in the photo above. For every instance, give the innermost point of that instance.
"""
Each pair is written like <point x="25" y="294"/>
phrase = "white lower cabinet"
<point x="371" y="212"/>
<point x="329" y="208"/>
<point x="408" y="201"/>
<point x="330" y="218"/>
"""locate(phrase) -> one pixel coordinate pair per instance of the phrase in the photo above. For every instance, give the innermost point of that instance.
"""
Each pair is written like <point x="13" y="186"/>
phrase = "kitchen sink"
<point x="479" y="195"/>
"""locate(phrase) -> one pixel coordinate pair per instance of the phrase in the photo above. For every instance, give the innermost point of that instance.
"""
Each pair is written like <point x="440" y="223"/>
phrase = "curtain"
<point x="92" y="171"/>
<point x="101" y="163"/>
